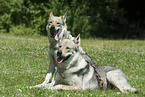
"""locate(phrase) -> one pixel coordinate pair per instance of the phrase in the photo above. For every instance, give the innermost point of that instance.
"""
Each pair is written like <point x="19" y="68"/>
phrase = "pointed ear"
<point x="77" y="40"/>
<point x="51" y="14"/>
<point x="64" y="17"/>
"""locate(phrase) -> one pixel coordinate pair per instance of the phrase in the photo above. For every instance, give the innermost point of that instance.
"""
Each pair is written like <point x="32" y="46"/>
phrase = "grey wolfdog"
<point x="75" y="72"/>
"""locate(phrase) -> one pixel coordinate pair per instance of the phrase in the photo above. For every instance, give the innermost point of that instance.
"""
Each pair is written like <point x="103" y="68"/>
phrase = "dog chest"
<point x="69" y="78"/>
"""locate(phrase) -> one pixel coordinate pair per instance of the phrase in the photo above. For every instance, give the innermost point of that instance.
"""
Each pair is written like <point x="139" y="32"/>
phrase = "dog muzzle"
<point x="53" y="32"/>
<point x="61" y="58"/>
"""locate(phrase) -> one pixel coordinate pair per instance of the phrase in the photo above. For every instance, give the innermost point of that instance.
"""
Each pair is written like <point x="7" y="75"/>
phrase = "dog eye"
<point x="60" y="46"/>
<point x="68" y="48"/>
<point x="50" y="22"/>
<point x="58" y="23"/>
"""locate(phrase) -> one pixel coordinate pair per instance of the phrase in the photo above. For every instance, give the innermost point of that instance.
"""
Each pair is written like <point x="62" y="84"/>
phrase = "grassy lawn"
<point x="24" y="62"/>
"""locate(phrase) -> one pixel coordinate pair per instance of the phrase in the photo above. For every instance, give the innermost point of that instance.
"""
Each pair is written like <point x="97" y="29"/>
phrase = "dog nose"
<point x="52" y="27"/>
<point x="59" y="52"/>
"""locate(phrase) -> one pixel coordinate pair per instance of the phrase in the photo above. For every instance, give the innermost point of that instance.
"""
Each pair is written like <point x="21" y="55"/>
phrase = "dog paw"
<point x="37" y="86"/>
<point x="135" y="91"/>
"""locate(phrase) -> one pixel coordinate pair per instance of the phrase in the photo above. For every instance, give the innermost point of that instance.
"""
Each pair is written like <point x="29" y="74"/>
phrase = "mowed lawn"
<point x="24" y="62"/>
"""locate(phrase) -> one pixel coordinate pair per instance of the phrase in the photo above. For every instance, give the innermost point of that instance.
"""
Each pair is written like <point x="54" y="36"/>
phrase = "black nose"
<point x="52" y="27"/>
<point x="59" y="52"/>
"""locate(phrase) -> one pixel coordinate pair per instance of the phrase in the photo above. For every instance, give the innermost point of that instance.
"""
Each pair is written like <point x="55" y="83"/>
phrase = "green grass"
<point x="24" y="62"/>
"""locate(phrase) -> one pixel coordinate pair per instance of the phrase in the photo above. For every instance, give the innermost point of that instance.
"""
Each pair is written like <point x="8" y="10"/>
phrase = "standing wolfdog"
<point x="75" y="72"/>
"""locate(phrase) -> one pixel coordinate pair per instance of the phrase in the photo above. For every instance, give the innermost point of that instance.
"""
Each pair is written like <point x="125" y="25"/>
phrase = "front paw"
<point x="37" y="86"/>
<point x="43" y="85"/>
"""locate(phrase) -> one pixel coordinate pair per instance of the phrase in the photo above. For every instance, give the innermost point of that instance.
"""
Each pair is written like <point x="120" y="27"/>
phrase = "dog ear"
<point x="77" y="40"/>
<point x="64" y="17"/>
<point x="51" y="14"/>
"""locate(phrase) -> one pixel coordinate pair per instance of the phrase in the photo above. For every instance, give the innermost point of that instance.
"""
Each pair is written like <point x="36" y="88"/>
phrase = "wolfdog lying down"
<point x="74" y="72"/>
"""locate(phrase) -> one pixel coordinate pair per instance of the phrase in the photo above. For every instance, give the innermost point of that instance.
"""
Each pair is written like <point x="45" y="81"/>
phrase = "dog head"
<point x="55" y="26"/>
<point x="67" y="48"/>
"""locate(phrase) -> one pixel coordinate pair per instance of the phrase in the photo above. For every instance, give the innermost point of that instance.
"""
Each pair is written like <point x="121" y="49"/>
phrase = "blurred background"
<point x="113" y="19"/>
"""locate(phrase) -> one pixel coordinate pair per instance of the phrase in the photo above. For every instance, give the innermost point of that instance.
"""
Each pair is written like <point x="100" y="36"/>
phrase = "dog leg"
<point x="49" y="74"/>
<point x="47" y="78"/>
<point x="64" y="87"/>
<point x="45" y="82"/>
<point x="118" y="79"/>
<point x="44" y="85"/>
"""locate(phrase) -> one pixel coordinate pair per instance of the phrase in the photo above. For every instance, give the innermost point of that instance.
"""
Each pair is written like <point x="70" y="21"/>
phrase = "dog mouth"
<point x="53" y="33"/>
<point x="62" y="59"/>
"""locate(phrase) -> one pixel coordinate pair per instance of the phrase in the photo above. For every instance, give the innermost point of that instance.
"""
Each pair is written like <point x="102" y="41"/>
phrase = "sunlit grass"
<point x="24" y="62"/>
